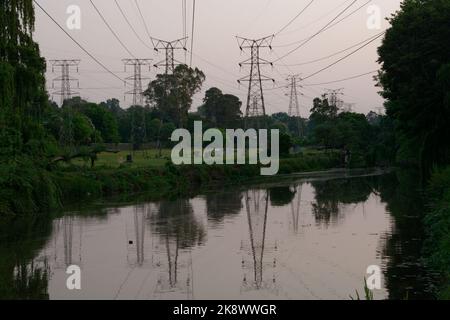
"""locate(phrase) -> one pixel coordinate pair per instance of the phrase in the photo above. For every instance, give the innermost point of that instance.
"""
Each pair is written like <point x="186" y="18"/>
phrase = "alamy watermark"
<point x="231" y="149"/>
<point x="73" y="281"/>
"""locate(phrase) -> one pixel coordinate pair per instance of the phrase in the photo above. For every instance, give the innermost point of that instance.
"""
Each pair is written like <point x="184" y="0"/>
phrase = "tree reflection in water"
<point x="175" y="230"/>
<point x="330" y="195"/>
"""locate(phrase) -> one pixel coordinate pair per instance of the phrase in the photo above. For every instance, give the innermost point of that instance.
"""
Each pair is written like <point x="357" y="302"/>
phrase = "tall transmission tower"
<point x="138" y="128"/>
<point x="169" y="48"/>
<point x="255" y="99"/>
<point x="137" y="92"/>
<point x="333" y="97"/>
<point x="65" y="65"/>
<point x="293" y="84"/>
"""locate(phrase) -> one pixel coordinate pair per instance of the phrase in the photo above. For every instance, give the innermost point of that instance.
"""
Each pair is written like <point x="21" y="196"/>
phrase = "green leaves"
<point x="415" y="78"/>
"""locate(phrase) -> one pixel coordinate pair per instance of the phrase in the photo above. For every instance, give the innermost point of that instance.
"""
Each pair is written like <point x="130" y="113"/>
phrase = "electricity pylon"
<point x="137" y="92"/>
<point x="138" y="130"/>
<point x="65" y="90"/>
<point x="333" y="97"/>
<point x="294" y="106"/>
<point x="169" y="48"/>
<point x="66" y="136"/>
<point x="255" y="98"/>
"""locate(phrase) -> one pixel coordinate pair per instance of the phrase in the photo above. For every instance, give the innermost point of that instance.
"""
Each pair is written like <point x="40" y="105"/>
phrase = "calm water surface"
<point x="303" y="239"/>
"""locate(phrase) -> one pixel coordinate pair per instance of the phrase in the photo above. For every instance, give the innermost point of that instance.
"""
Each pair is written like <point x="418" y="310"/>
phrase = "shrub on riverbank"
<point x="437" y="224"/>
<point x="27" y="188"/>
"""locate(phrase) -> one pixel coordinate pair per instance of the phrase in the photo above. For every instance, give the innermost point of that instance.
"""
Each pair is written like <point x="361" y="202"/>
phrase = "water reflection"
<point x="221" y="205"/>
<point x="256" y="255"/>
<point x="331" y="195"/>
<point x="178" y="230"/>
<point x="303" y="239"/>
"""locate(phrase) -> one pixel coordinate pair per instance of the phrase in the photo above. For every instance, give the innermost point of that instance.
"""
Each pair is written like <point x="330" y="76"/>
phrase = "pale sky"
<point x="216" y="52"/>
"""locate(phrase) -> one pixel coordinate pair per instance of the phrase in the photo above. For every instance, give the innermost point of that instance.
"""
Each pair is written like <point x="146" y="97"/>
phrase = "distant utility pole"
<point x="137" y="92"/>
<point x="333" y="97"/>
<point x="65" y="90"/>
<point x="294" y="106"/>
<point x="169" y="48"/>
<point x="255" y="99"/>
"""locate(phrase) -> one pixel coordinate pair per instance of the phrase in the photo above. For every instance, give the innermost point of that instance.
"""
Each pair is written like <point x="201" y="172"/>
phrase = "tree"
<point x="101" y="117"/>
<point x="22" y="83"/>
<point x="322" y="108"/>
<point x="415" y="78"/>
<point x="172" y="94"/>
<point x="222" y="110"/>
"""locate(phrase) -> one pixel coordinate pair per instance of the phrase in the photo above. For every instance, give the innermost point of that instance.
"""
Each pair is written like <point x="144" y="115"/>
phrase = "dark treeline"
<point x="415" y="81"/>
<point x="368" y="138"/>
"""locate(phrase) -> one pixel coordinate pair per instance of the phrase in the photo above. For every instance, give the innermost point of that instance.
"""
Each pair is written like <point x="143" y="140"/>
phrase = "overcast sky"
<point x="216" y="51"/>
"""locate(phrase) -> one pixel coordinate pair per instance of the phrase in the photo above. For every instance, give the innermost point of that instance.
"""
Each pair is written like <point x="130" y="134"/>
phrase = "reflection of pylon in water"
<point x="68" y="236"/>
<point x="66" y="225"/>
<point x="175" y="276"/>
<point x="256" y="202"/>
<point x="136" y="243"/>
<point x="295" y="209"/>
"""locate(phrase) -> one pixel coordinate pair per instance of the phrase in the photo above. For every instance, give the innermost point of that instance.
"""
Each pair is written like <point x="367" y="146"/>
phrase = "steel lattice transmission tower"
<point x="66" y="135"/>
<point x="65" y="91"/>
<point x="333" y="97"/>
<point x="137" y="92"/>
<point x="293" y="85"/>
<point x="294" y="106"/>
<point x="255" y="99"/>
<point x="169" y="48"/>
<point x="138" y="128"/>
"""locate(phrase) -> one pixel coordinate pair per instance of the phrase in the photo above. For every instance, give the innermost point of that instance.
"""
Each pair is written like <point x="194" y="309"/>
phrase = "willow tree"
<point x="22" y="81"/>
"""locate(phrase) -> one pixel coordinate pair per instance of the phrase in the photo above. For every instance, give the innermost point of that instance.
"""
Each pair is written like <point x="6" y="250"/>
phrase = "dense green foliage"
<point x="415" y="78"/>
<point x="221" y="110"/>
<point x="437" y="224"/>
<point x="171" y="94"/>
<point x="369" y="140"/>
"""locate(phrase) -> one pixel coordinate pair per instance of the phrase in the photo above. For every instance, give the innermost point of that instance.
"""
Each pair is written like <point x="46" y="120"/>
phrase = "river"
<point x="300" y="238"/>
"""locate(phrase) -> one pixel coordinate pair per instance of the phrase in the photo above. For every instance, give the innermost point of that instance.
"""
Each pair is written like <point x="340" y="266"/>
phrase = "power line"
<point x="295" y="18"/>
<point x="147" y="30"/>
<point x="328" y="27"/>
<point x="193" y="29"/>
<point x="184" y="18"/>
<point x="111" y="29"/>
<point x="316" y="20"/>
<point x="317" y="33"/>
<point x="329" y="56"/>
<point x="341" y="80"/>
<point x="129" y="24"/>
<point x="345" y="57"/>
<point x="78" y="44"/>
<point x="260" y="13"/>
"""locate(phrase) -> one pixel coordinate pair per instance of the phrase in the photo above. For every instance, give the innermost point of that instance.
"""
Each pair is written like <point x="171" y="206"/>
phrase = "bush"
<point x="25" y="188"/>
<point x="437" y="225"/>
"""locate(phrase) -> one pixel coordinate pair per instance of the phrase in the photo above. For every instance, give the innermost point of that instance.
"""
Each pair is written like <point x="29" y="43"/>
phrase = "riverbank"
<point x="437" y="225"/>
<point x="26" y="188"/>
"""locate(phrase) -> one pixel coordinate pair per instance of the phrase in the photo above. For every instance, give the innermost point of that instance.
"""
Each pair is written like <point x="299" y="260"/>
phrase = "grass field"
<point x="150" y="158"/>
<point x="141" y="158"/>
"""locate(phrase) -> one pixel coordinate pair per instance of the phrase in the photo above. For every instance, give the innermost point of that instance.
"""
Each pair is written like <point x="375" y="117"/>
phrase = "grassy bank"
<point x="437" y="224"/>
<point x="27" y="188"/>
